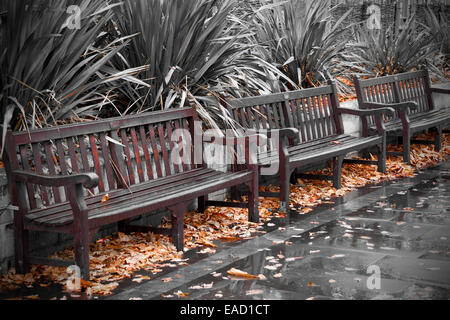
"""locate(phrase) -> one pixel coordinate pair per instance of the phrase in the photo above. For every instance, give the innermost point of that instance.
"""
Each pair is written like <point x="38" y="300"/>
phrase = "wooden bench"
<point x="410" y="94"/>
<point x="310" y="127"/>
<point x="77" y="178"/>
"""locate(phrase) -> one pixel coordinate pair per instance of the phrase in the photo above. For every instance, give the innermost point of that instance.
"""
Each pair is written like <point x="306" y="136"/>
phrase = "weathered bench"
<point x="77" y="178"/>
<point x="310" y="127"/>
<point x="410" y="94"/>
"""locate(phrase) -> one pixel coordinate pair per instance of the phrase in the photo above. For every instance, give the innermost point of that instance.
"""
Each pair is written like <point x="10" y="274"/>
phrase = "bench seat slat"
<point x="43" y="212"/>
<point x="149" y="196"/>
<point x="420" y="120"/>
<point x="324" y="149"/>
<point x="188" y="192"/>
<point x="145" y="189"/>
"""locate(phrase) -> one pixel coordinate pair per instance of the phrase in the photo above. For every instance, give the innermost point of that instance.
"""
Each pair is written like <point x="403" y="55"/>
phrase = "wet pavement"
<point x="401" y="229"/>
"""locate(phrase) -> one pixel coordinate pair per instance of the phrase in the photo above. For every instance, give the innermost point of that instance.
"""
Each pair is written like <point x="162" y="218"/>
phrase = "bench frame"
<point x="398" y="92"/>
<point x="82" y="228"/>
<point x="289" y="134"/>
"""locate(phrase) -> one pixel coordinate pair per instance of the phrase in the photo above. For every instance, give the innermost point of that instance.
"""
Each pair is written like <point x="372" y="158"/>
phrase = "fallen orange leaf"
<point x="241" y="274"/>
<point x="105" y="198"/>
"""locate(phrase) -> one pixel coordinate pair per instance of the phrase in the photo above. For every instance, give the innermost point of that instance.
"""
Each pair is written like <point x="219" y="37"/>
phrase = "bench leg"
<point x="407" y="148"/>
<point x="337" y="172"/>
<point x="178" y="212"/>
<point x="285" y="186"/>
<point x="253" y="196"/>
<point x="382" y="153"/>
<point x="202" y="204"/>
<point x="21" y="246"/>
<point x="82" y="242"/>
<point x="438" y="140"/>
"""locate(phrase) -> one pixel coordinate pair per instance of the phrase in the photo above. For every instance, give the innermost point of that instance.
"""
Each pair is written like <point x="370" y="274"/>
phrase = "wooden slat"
<point x="290" y="106"/>
<point x="96" y="159"/>
<point x="320" y="116"/>
<point x="320" y="144"/>
<point x="126" y="149"/>
<point x="314" y="119"/>
<point x="182" y="193"/>
<point x="108" y="161"/>
<point x="137" y="154"/>
<point x="84" y="154"/>
<point x="148" y="190"/>
<point x="301" y="126"/>
<point x="260" y="118"/>
<point x="307" y="120"/>
<point x="181" y="151"/>
<point x="288" y="114"/>
<point x="330" y="115"/>
<point x="156" y="157"/>
<point x="281" y="112"/>
<point x="172" y="147"/>
<point x="118" y="162"/>
<point x="26" y="167"/>
<point x="92" y="200"/>
<point x="269" y="116"/>
<point x="147" y="157"/>
<point x="73" y="155"/>
<point x="417" y="93"/>
<point x="39" y="170"/>
<point x="276" y="117"/>
<point x="250" y="117"/>
<point x="191" y="165"/>
<point x="165" y="153"/>
<point x="52" y="169"/>
<point x="62" y="157"/>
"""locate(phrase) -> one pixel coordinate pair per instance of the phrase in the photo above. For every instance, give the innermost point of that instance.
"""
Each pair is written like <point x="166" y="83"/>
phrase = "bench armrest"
<point x="89" y="180"/>
<point x="440" y="90"/>
<point x="366" y="113"/>
<point x="402" y="107"/>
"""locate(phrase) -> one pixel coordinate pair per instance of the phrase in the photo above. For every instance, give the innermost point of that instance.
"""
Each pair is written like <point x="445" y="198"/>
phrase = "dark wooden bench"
<point x="310" y="129"/>
<point x="77" y="178"/>
<point x="410" y="94"/>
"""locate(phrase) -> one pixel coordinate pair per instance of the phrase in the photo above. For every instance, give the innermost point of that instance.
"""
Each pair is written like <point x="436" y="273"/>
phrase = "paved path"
<point x="402" y="229"/>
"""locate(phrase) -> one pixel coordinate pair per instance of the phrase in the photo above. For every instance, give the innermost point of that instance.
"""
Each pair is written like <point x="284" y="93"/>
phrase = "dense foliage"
<point x="142" y="55"/>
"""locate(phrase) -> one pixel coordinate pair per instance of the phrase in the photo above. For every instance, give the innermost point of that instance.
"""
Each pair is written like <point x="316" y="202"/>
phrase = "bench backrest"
<point x="312" y="111"/>
<point x="122" y="151"/>
<point x="410" y="86"/>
